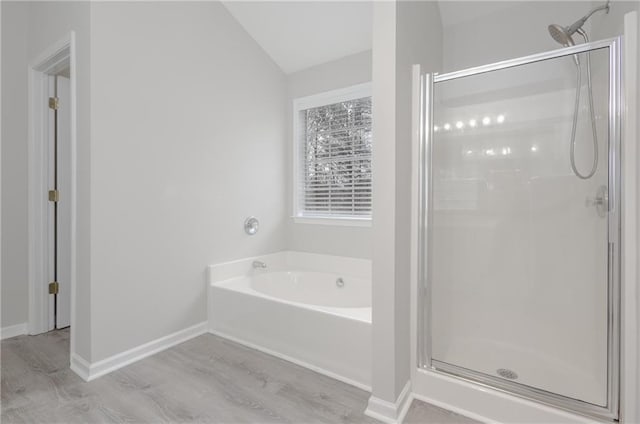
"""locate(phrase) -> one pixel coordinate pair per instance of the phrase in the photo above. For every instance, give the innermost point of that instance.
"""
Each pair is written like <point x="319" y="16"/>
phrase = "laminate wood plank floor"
<point x="204" y="380"/>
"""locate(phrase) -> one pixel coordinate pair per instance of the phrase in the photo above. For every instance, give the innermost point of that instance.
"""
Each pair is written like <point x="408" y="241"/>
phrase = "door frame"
<point x="57" y="55"/>
<point x="426" y="376"/>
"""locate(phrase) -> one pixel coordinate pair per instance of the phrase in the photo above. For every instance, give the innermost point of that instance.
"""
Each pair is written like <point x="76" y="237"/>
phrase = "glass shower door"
<point x="521" y="261"/>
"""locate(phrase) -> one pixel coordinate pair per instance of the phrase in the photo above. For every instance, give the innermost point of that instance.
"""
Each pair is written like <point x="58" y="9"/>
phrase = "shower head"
<point x="563" y="34"/>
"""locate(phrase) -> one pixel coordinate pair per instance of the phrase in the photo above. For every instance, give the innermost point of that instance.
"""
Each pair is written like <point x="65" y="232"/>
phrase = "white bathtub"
<point x="313" y="310"/>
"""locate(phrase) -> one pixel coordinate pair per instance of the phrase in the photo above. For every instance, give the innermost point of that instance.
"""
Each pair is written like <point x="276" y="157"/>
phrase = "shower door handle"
<point x="601" y="201"/>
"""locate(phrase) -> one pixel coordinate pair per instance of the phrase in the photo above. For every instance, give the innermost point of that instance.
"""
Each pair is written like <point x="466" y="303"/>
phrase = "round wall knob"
<point x="251" y="225"/>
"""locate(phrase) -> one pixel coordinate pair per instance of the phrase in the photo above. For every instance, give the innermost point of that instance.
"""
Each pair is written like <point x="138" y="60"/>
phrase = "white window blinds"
<point x="335" y="160"/>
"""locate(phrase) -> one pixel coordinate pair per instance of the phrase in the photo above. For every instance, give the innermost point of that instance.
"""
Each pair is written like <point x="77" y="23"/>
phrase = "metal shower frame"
<point x="425" y="360"/>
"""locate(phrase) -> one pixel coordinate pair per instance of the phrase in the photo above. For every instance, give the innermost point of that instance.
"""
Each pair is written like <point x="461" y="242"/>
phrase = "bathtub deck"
<point x="206" y="379"/>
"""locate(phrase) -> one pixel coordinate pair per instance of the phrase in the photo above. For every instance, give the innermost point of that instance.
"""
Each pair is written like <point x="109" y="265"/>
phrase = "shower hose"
<point x="594" y="165"/>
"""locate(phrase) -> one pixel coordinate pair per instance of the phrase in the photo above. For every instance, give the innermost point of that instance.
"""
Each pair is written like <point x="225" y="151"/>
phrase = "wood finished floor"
<point x="204" y="380"/>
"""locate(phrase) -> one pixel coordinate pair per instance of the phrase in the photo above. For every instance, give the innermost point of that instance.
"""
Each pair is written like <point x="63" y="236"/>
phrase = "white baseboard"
<point x="90" y="371"/>
<point x="13" y="331"/>
<point x="388" y="412"/>
<point x="292" y="360"/>
<point x="80" y="367"/>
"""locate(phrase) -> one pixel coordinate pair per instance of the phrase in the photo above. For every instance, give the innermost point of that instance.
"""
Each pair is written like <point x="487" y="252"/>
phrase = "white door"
<point x="59" y="221"/>
<point x="64" y="204"/>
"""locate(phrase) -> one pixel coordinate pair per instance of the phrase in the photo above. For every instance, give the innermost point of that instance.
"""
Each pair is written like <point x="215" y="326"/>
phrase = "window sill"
<point x="344" y="222"/>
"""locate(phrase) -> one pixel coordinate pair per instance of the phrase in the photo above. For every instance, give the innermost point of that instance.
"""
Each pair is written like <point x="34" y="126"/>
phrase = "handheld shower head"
<point x="563" y="34"/>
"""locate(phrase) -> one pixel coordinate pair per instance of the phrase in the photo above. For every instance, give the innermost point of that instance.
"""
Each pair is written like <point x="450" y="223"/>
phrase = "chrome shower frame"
<point x="425" y="242"/>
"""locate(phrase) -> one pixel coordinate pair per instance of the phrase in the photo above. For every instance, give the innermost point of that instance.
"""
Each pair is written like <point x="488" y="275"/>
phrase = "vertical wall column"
<point x="405" y="33"/>
<point x="630" y="365"/>
<point x="389" y="373"/>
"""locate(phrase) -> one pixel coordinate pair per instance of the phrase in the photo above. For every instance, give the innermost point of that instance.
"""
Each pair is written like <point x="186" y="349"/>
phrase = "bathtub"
<point x="313" y="310"/>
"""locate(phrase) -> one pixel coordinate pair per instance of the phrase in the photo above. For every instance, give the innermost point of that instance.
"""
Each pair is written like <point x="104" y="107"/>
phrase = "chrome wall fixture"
<point x="251" y="225"/>
<point x="601" y="201"/>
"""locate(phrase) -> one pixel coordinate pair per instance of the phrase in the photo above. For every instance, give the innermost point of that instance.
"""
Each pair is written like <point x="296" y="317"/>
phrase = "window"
<point x="332" y="157"/>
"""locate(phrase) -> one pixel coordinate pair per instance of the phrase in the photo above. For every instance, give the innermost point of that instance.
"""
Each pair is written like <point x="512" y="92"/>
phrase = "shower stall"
<point x="519" y="276"/>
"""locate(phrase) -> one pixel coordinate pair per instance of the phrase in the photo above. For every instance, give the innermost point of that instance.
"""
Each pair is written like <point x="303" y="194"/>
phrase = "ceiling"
<point x="301" y="34"/>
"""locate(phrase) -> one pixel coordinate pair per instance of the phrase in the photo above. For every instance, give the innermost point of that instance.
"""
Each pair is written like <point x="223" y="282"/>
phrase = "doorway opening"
<point x="52" y="188"/>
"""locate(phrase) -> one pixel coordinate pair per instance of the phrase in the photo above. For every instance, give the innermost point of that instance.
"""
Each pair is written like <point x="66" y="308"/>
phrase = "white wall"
<point x="28" y="29"/>
<point x="516" y="28"/>
<point x="188" y="135"/>
<point x="611" y="24"/>
<point x="320" y="238"/>
<point x="511" y="29"/>
<point x="385" y="364"/>
<point x="405" y="33"/>
<point x="14" y="154"/>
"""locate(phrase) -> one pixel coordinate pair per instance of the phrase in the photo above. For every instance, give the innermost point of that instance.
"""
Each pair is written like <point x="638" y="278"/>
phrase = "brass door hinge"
<point x="54" y="195"/>
<point x="54" y="287"/>
<point x="53" y="103"/>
